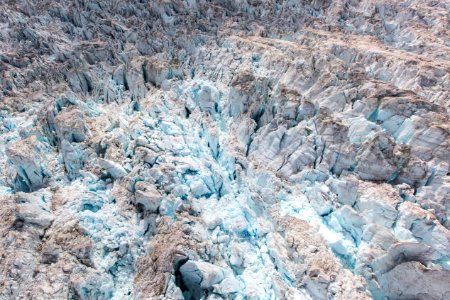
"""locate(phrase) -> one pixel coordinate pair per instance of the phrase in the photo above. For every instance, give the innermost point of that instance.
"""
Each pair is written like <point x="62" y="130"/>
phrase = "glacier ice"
<point x="224" y="150"/>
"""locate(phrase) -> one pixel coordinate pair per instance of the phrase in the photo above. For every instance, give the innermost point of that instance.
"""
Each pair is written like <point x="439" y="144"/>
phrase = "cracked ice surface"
<point x="265" y="151"/>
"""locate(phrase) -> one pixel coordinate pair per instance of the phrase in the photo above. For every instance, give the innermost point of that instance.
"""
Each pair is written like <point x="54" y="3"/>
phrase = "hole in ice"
<point x="256" y="116"/>
<point x="91" y="207"/>
<point x="17" y="225"/>
<point x="100" y="150"/>
<point x="246" y="234"/>
<point x="136" y="106"/>
<point x="188" y="112"/>
<point x="20" y="185"/>
<point x="179" y="278"/>
<point x="140" y="208"/>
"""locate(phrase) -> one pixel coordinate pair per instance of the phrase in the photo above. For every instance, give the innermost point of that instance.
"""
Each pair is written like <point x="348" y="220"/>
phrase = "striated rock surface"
<point x="224" y="149"/>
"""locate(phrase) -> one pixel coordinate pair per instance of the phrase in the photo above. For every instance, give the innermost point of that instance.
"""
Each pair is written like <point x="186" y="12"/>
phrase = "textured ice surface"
<point x="224" y="150"/>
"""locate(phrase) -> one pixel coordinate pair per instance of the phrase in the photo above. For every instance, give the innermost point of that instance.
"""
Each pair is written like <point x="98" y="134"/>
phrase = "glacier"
<point x="224" y="149"/>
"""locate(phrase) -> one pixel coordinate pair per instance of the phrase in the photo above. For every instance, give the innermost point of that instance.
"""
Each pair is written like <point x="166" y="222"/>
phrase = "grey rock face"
<point x="224" y="149"/>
